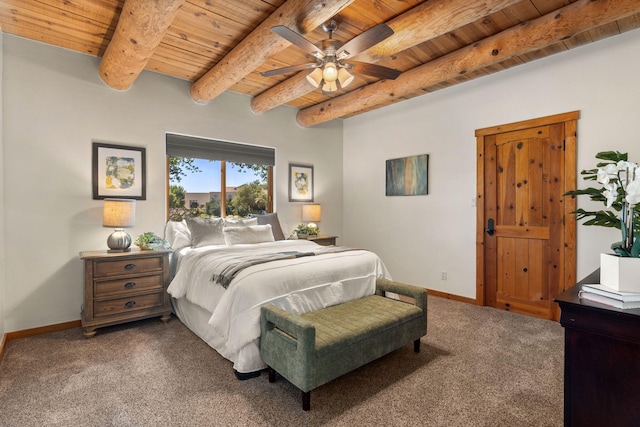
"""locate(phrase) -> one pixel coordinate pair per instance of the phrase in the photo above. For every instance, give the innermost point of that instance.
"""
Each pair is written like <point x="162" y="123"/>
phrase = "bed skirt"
<point x="196" y="319"/>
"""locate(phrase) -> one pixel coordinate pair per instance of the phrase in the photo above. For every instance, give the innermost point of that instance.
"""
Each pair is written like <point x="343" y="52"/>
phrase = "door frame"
<point x="570" y="121"/>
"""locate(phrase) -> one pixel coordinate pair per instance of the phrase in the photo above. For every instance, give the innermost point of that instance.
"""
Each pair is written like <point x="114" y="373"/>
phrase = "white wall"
<point x="54" y="106"/>
<point x="419" y="237"/>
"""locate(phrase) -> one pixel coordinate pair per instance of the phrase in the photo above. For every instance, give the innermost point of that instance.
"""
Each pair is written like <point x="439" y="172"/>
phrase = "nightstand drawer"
<point x="106" y="268"/>
<point x="119" y="286"/>
<point x="122" y="305"/>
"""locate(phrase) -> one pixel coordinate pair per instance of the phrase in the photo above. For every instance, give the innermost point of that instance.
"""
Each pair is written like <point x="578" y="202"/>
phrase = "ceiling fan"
<point x="331" y="72"/>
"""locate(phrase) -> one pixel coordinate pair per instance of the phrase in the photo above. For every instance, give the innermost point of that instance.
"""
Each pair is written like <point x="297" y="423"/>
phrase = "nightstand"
<point x="323" y="240"/>
<point x="121" y="287"/>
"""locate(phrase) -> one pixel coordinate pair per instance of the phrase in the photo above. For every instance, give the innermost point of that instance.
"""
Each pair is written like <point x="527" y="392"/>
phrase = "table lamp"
<point x="312" y="214"/>
<point x="119" y="214"/>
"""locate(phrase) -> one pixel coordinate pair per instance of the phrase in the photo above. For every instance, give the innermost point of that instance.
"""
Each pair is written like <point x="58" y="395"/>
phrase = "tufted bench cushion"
<point x="316" y="347"/>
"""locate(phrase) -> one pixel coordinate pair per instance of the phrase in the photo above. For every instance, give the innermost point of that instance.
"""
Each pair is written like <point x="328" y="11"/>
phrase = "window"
<point x="217" y="178"/>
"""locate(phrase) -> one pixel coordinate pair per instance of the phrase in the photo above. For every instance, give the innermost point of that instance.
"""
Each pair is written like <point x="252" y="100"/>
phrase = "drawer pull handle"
<point x="129" y="285"/>
<point x="130" y="304"/>
<point x="129" y="266"/>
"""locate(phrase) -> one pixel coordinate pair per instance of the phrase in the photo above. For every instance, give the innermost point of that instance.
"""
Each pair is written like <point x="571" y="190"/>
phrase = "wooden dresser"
<point x="121" y="287"/>
<point x="323" y="239"/>
<point x="602" y="361"/>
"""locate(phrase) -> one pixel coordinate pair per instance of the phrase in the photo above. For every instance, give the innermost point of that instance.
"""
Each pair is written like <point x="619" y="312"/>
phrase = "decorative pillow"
<point x="271" y="219"/>
<point x="206" y="231"/>
<point x="250" y="234"/>
<point x="240" y="222"/>
<point x="177" y="234"/>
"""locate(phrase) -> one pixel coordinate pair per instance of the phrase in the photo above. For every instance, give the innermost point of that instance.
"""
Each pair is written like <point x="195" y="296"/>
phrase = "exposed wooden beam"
<point x="302" y="16"/>
<point x="526" y="37"/>
<point x="141" y="27"/>
<point x="419" y="24"/>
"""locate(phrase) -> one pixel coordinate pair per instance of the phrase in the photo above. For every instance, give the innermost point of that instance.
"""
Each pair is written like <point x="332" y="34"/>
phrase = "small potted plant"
<point x="150" y="241"/>
<point x="312" y="229"/>
<point x="302" y="231"/>
<point x="305" y="230"/>
<point x="619" y="189"/>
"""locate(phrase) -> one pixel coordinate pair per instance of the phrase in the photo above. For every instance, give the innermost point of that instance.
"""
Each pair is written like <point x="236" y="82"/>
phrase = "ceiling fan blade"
<point x="373" y="70"/>
<point x="364" y="41"/>
<point x="289" y="69"/>
<point x="296" y="39"/>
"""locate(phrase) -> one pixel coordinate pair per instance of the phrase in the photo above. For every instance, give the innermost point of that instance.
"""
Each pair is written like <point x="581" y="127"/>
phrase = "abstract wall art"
<point x="407" y="176"/>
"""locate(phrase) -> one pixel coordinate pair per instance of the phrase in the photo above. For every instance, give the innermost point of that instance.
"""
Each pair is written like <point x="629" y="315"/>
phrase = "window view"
<point x="201" y="187"/>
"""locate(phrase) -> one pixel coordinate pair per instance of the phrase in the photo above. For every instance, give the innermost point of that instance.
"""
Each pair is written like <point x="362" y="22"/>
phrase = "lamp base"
<point x="119" y="241"/>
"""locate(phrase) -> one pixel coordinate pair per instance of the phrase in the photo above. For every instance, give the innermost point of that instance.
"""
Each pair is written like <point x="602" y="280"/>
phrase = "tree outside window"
<point x="247" y="189"/>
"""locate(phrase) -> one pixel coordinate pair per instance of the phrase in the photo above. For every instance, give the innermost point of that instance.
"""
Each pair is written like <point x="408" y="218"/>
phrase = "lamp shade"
<point x="311" y="213"/>
<point x="329" y="86"/>
<point x="315" y="77"/>
<point x="344" y="77"/>
<point x="119" y="213"/>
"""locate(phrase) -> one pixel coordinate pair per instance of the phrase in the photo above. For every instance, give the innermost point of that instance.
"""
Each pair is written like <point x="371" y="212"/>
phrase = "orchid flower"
<point x="611" y="193"/>
<point x="602" y="176"/>
<point x="633" y="192"/>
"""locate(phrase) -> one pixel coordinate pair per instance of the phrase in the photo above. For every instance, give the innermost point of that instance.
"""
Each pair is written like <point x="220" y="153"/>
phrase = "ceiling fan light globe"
<point x="330" y="72"/>
<point x="315" y="77"/>
<point x="344" y="77"/>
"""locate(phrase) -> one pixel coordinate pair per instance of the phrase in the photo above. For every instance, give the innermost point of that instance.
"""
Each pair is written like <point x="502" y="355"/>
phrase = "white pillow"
<point x="250" y="234"/>
<point x="240" y="222"/>
<point x="206" y="231"/>
<point x="272" y="219"/>
<point x="177" y="234"/>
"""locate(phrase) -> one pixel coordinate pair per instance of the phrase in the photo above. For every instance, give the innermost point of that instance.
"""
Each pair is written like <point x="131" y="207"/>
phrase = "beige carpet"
<point x="478" y="367"/>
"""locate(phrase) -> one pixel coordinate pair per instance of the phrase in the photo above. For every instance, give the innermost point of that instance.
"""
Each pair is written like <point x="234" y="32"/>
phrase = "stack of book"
<point x="609" y="296"/>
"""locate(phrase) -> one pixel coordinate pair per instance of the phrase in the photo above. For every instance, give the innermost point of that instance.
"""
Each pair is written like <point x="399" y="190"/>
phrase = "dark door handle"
<point x="490" y="230"/>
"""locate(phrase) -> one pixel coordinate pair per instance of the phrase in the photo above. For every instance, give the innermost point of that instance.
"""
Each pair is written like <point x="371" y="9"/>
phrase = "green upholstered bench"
<point x="316" y="347"/>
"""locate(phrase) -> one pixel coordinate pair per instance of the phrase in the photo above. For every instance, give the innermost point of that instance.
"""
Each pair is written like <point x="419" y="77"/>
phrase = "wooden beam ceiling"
<point x="301" y="16"/>
<point x="224" y="45"/>
<point x="530" y="36"/>
<point x="141" y="27"/>
<point x="424" y="22"/>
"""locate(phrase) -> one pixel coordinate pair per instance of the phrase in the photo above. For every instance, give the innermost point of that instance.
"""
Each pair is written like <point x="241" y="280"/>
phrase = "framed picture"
<point x="300" y="183"/>
<point x="119" y="172"/>
<point x="408" y="176"/>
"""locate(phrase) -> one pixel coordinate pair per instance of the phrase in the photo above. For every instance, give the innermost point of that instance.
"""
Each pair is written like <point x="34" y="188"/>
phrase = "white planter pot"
<point x="620" y="273"/>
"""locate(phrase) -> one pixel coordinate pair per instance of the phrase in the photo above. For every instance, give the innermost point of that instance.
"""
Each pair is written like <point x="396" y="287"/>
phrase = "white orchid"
<point x="602" y="176"/>
<point x="633" y="192"/>
<point x="620" y="192"/>
<point x="611" y="193"/>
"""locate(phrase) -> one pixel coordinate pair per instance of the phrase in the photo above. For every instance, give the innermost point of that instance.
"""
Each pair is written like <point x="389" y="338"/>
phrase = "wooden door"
<point x="526" y="233"/>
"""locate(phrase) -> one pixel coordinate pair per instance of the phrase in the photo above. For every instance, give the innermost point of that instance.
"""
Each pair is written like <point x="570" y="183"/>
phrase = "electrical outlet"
<point x="443" y="275"/>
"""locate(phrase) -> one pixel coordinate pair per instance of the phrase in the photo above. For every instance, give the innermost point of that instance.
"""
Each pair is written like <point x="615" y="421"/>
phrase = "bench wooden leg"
<point x="306" y="400"/>
<point x="272" y="374"/>
<point x="416" y="346"/>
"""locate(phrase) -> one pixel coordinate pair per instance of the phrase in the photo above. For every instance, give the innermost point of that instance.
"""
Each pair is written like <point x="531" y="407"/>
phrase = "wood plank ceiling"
<point x="224" y="45"/>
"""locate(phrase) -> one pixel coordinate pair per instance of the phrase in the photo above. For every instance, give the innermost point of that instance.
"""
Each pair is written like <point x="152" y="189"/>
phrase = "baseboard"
<point x="43" y="330"/>
<point x="451" y="296"/>
<point x="8" y="336"/>
<point x="3" y="341"/>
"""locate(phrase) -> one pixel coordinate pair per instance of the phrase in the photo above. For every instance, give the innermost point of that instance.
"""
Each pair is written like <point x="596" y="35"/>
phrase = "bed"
<point x="224" y="270"/>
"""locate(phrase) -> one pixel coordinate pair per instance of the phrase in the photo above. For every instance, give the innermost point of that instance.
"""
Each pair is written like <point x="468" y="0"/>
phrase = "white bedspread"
<point x="297" y="285"/>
